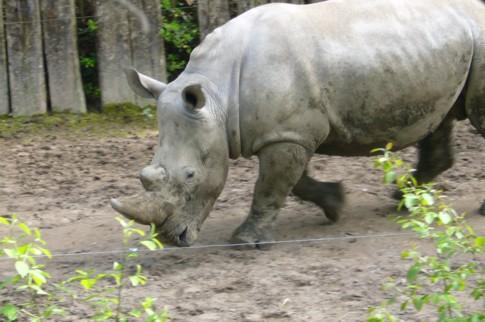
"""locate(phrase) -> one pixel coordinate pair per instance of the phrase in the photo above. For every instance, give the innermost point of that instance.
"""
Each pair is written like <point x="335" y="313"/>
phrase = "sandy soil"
<point x="63" y="186"/>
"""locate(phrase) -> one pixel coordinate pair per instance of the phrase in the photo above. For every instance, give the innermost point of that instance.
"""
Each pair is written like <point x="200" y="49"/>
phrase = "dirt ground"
<point x="63" y="185"/>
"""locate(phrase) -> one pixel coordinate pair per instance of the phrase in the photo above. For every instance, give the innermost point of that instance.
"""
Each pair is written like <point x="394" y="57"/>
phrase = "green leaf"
<point x="25" y="228"/>
<point x="427" y="199"/>
<point x="444" y="217"/>
<point x="88" y="283"/>
<point x="390" y="177"/>
<point x="413" y="272"/>
<point x="9" y="311"/>
<point x="38" y="277"/>
<point x="419" y="301"/>
<point x="10" y="252"/>
<point x="410" y="200"/>
<point x="136" y="313"/>
<point x="389" y="146"/>
<point x="22" y="268"/>
<point x="480" y="241"/>
<point x="103" y="316"/>
<point x="123" y="222"/>
<point x="38" y="290"/>
<point x="137" y="231"/>
<point x="404" y="305"/>
<point x="429" y="217"/>
<point x="135" y="281"/>
<point x="118" y="266"/>
<point x="4" y="221"/>
<point x="149" y="244"/>
<point x="46" y="252"/>
<point x="37" y="234"/>
<point x="148" y="303"/>
<point x="477" y="318"/>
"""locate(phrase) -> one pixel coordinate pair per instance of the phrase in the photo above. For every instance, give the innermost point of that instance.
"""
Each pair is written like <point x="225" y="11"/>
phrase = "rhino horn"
<point x="144" y="208"/>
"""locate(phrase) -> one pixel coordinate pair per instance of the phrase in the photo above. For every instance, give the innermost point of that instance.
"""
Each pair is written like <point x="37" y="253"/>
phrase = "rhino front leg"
<point x="329" y="196"/>
<point x="280" y="167"/>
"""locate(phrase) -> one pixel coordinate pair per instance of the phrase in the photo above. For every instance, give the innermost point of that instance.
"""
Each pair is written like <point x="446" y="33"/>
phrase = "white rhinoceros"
<point x="286" y="81"/>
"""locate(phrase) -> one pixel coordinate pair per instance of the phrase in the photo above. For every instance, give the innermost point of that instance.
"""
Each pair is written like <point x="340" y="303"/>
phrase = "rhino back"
<point x="342" y="72"/>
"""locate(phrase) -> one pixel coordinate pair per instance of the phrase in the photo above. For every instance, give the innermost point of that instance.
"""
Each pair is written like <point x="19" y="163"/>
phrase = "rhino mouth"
<point x="184" y="239"/>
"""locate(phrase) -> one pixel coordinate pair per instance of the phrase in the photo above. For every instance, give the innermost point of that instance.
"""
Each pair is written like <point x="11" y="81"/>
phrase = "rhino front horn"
<point x="144" y="208"/>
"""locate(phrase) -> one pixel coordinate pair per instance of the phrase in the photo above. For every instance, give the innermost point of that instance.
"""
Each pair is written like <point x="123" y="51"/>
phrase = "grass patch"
<point x="115" y="120"/>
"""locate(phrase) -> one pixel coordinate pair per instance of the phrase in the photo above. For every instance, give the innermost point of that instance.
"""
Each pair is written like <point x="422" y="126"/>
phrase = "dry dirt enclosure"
<point x="63" y="185"/>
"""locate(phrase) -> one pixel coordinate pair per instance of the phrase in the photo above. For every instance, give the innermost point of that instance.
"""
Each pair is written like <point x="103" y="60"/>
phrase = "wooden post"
<point x="212" y="14"/>
<point x="122" y="44"/>
<point x="4" y="100"/>
<point x="25" y="57"/>
<point x="148" y="52"/>
<point x="62" y="60"/>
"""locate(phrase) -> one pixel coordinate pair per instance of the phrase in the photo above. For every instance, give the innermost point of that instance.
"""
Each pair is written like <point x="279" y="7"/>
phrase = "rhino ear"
<point x="194" y="97"/>
<point x="143" y="85"/>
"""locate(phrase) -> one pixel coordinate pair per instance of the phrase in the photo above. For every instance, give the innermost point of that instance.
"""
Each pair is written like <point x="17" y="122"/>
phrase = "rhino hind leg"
<point x="329" y="196"/>
<point x="280" y="167"/>
<point x="435" y="154"/>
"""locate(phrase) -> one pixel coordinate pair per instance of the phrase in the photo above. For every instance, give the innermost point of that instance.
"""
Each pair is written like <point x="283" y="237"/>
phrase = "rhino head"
<point x="189" y="168"/>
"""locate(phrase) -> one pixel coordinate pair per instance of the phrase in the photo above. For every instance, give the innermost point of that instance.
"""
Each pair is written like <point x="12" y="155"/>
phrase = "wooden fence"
<point x="39" y="59"/>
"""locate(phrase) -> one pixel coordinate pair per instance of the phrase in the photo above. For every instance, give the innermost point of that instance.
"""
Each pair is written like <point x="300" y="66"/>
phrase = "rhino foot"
<point x="397" y="195"/>
<point x="250" y="237"/>
<point x="333" y="200"/>
<point x="481" y="211"/>
<point x="329" y="196"/>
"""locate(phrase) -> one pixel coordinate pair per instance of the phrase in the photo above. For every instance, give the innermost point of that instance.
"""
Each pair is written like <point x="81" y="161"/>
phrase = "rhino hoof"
<point x="244" y="239"/>
<point x="397" y="195"/>
<point x="481" y="211"/>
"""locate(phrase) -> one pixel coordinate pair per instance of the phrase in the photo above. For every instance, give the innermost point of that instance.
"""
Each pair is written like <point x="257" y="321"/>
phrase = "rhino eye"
<point x="189" y="174"/>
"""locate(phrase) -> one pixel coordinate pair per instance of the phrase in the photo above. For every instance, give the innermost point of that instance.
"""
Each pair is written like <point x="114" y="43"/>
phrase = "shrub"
<point x="452" y="272"/>
<point x="42" y="299"/>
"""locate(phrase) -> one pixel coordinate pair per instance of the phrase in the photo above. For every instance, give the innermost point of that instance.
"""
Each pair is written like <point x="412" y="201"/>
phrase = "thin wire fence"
<point x="227" y="245"/>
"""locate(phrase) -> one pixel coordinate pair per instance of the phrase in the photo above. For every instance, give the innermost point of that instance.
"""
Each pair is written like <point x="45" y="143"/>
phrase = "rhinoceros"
<point x="284" y="82"/>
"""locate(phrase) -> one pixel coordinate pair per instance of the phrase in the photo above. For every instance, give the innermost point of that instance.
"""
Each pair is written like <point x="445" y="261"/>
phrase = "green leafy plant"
<point x="452" y="272"/>
<point x="23" y="245"/>
<point x="180" y="33"/>
<point x="102" y="291"/>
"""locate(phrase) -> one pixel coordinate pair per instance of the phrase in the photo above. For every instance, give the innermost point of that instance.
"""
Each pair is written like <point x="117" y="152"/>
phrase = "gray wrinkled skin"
<point x="286" y="81"/>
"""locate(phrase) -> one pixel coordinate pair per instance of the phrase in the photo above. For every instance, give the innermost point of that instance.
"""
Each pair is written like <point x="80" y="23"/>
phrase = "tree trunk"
<point x="245" y="5"/>
<point x="25" y="57"/>
<point x="212" y="14"/>
<point x="123" y="44"/>
<point x="4" y="105"/>
<point x="62" y="59"/>
<point x="148" y="52"/>
<point x="288" y="1"/>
